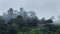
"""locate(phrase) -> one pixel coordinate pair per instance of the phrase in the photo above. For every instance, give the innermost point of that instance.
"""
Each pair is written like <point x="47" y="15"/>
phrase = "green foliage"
<point x="20" y="25"/>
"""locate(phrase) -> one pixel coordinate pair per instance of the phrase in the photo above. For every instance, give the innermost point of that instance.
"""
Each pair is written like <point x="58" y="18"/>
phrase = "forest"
<point x="23" y="25"/>
<point x="20" y="25"/>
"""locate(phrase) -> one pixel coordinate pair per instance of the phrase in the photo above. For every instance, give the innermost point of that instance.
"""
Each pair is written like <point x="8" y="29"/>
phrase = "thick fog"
<point x="43" y="8"/>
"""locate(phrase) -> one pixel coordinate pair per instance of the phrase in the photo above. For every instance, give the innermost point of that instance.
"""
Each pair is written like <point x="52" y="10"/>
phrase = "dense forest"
<point x="23" y="25"/>
<point x="19" y="25"/>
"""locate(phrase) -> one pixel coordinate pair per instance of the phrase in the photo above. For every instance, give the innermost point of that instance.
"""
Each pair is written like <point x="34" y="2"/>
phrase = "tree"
<point x="20" y="21"/>
<point x="2" y="26"/>
<point x="33" y="22"/>
<point x="12" y="27"/>
<point x="49" y="27"/>
<point x="2" y="22"/>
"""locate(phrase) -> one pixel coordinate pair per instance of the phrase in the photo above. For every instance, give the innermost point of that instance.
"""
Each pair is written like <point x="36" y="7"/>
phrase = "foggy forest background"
<point x="30" y="25"/>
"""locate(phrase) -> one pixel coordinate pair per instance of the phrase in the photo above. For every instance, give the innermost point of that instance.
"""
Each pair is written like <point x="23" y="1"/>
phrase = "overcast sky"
<point x="43" y="8"/>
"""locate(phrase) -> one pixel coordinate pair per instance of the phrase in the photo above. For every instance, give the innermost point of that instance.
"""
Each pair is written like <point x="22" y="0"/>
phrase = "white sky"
<point x="43" y="8"/>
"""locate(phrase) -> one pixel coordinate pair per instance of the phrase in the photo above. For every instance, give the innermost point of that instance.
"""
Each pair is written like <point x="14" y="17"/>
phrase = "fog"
<point x="43" y="8"/>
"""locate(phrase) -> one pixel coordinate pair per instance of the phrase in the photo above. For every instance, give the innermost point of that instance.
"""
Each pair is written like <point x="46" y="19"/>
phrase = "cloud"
<point x="43" y="8"/>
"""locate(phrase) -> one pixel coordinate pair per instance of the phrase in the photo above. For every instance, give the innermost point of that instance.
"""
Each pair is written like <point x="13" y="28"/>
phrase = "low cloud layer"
<point x="43" y="8"/>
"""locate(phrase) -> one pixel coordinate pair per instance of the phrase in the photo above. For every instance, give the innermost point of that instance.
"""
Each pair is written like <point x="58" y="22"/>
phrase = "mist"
<point x="43" y="8"/>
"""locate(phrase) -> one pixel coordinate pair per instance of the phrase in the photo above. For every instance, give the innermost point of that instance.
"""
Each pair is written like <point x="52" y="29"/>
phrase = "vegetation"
<point x="19" y="25"/>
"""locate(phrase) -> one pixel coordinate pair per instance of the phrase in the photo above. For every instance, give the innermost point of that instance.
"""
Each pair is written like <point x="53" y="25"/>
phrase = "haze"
<point x="43" y="8"/>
